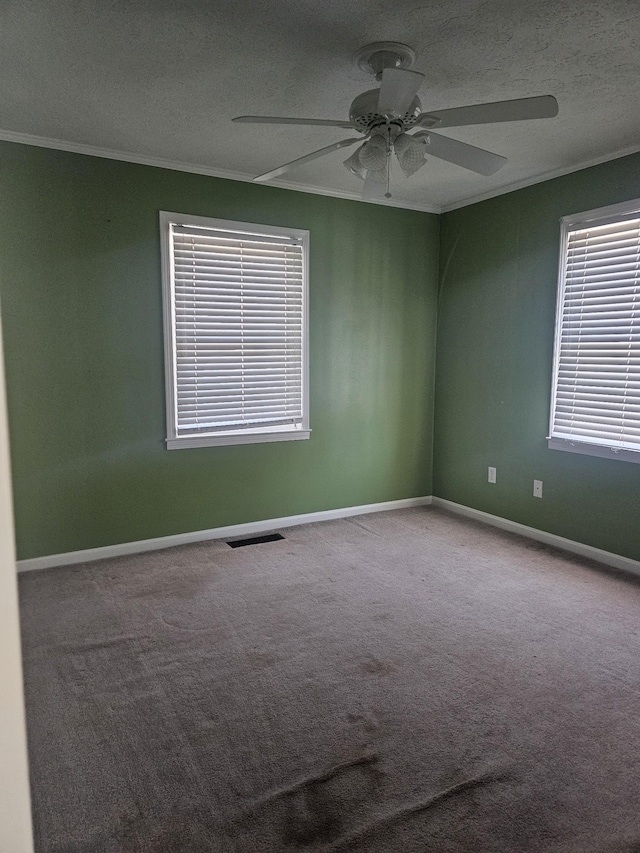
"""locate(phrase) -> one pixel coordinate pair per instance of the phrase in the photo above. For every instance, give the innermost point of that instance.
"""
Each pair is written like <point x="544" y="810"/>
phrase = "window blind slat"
<point x="217" y="235"/>
<point x="187" y="276"/>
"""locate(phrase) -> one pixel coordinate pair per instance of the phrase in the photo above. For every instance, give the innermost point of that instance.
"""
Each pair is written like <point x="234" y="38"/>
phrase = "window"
<point x="595" y="406"/>
<point x="235" y="308"/>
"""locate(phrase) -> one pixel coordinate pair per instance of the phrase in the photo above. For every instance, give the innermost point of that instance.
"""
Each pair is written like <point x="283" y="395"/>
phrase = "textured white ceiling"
<point x="163" y="79"/>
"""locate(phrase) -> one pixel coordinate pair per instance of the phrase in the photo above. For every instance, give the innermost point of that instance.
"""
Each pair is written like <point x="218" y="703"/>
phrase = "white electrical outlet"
<point x="537" y="488"/>
<point x="492" y="475"/>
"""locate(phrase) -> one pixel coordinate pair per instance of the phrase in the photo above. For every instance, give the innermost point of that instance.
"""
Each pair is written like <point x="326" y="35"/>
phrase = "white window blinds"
<point x="597" y="371"/>
<point x="238" y="324"/>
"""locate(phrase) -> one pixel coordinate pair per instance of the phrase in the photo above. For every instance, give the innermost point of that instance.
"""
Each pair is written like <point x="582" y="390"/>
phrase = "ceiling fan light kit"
<point x="374" y="156"/>
<point x="384" y="116"/>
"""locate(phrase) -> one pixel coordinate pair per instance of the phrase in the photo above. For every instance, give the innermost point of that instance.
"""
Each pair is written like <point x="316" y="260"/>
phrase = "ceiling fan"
<point x="384" y="116"/>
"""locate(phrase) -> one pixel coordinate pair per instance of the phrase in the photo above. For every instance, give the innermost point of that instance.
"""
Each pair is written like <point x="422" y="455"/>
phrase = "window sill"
<point x="624" y="454"/>
<point x="248" y="437"/>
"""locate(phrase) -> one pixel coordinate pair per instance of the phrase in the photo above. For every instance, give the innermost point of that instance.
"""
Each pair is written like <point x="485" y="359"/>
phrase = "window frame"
<point x="257" y="435"/>
<point x="598" y="216"/>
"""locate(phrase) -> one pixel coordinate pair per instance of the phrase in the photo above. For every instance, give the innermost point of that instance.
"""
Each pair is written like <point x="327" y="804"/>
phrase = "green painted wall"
<point x="498" y="280"/>
<point x="81" y="303"/>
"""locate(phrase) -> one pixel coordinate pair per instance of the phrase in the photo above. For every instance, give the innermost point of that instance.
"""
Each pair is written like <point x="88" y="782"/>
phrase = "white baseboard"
<point x="253" y="527"/>
<point x="606" y="557"/>
<point x="232" y="530"/>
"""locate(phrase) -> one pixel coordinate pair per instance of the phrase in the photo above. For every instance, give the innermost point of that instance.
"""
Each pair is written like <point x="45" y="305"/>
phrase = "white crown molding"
<point x="195" y="169"/>
<point x="173" y="165"/>
<point x="539" y="179"/>
<point x="615" y="560"/>
<point x="231" y="531"/>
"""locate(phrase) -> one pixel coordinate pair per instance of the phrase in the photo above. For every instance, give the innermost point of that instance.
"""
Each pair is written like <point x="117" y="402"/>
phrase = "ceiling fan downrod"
<point x="375" y="57"/>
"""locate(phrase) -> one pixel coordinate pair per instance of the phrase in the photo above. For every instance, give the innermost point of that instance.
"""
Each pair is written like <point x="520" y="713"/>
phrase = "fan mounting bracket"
<point x="374" y="58"/>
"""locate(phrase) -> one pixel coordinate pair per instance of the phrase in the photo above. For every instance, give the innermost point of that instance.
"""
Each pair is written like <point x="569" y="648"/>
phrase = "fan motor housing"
<point x="364" y="115"/>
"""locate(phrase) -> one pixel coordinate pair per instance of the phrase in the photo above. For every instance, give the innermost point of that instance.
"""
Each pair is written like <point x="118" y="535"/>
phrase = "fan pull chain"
<point x="388" y="192"/>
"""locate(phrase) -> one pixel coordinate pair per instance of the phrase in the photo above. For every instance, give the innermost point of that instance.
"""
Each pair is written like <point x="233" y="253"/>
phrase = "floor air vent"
<point x="255" y="540"/>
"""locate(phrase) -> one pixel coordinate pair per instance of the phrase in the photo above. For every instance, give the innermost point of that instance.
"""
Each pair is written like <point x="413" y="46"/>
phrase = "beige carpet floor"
<point x="406" y="681"/>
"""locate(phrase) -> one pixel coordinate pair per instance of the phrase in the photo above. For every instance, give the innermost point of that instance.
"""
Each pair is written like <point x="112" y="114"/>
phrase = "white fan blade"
<point x="461" y="153"/>
<point x="307" y="158"/>
<point x="327" y="122"/>
<point x="375" y="184"/>
<point x="398" y="89"/>
<point x="520" y="109"/>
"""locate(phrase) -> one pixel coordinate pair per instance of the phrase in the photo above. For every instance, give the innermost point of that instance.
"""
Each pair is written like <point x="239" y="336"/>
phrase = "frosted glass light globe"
<point x="401" y="143"/>
<point x="354" y="165"/>
<point x="373" y="154"/>
<point x="410" y="153"/>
